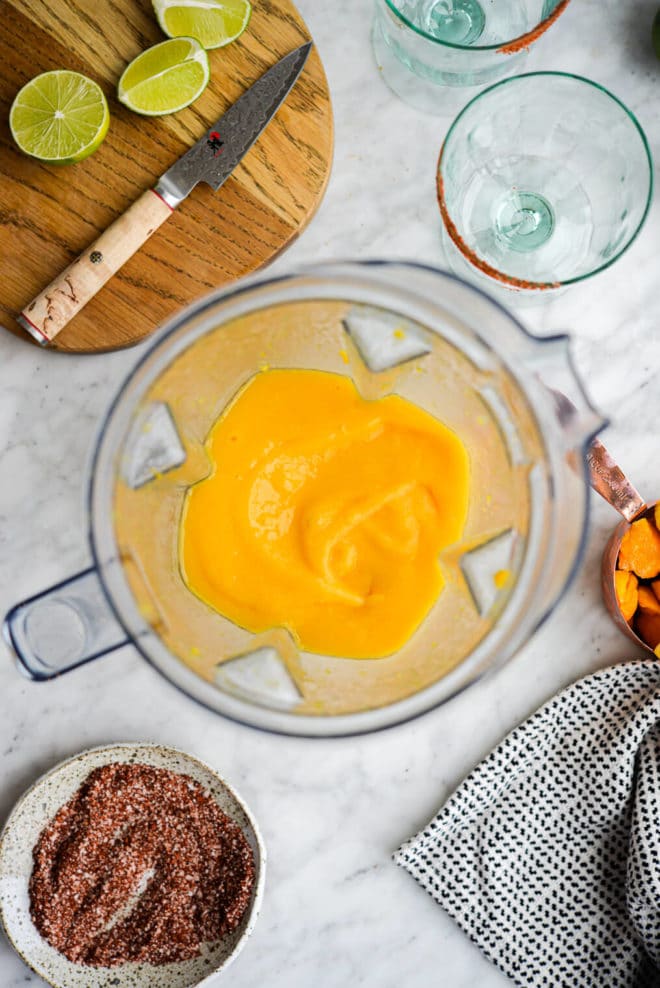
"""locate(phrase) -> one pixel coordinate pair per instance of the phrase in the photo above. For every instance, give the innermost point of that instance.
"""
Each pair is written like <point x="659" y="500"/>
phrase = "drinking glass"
<point x="422" y="45"/>
<point x="543" y="180"/>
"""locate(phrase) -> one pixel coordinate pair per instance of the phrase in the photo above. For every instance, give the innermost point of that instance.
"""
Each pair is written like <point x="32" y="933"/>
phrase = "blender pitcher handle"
<point x="63" y="627"/>
<point x="550" y="358"/>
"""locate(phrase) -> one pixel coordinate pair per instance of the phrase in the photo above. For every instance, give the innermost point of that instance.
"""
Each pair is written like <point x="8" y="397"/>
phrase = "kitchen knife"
<point x="212" y="159"/>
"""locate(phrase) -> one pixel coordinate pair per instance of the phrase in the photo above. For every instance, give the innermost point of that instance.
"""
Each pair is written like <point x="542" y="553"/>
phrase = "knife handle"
<point x="50" y="311"/>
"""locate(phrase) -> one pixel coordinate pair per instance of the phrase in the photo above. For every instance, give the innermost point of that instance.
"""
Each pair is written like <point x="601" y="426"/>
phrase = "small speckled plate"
<point x="40" y="804"/>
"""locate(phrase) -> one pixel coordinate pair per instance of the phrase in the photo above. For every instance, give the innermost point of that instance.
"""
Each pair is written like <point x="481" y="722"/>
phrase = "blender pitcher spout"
<point x="63" y="627"/>
<point x="551" y="360"/>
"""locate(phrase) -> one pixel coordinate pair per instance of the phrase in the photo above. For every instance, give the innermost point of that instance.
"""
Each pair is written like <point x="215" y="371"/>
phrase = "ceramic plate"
<point x="40" y="804"/>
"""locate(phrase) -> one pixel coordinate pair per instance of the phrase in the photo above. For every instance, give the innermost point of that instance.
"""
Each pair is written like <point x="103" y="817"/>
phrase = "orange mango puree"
<point x="324" y="513"/>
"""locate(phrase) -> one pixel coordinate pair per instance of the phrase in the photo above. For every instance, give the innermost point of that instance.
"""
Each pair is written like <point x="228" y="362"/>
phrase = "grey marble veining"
<point x="337" y="912"/>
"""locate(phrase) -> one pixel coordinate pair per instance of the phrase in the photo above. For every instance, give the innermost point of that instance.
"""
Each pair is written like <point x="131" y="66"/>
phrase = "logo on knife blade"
<point x="215" y="143"/>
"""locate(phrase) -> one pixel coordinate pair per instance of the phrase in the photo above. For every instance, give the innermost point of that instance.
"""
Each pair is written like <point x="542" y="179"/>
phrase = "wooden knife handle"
<point x="50" y="311"/>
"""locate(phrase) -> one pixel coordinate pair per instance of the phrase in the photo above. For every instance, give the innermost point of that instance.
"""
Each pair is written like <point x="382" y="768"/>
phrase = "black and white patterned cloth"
<point x="548" y="854"/>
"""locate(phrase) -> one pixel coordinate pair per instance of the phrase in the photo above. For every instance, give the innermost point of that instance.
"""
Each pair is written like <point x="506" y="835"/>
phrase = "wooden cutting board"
<point x="49" y="214"/>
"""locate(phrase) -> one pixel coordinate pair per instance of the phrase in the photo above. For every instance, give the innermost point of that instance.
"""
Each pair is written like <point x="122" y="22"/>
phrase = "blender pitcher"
<point x="394" y="328"/>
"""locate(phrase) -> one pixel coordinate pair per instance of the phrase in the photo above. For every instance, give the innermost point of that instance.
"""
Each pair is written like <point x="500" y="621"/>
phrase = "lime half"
<point x="213" y="22"/>
<point x="59" y="117"/>
<point x="165" y="78"/>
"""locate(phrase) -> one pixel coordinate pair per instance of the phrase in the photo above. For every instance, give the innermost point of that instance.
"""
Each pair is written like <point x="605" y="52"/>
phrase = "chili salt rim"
<point x="135" y="972"/>
<point x="528" y="39"/>
<point x="472" y="257"/>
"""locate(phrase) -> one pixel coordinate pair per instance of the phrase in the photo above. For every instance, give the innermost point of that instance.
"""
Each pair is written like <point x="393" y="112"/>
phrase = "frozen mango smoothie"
<point x="324" y="513"/>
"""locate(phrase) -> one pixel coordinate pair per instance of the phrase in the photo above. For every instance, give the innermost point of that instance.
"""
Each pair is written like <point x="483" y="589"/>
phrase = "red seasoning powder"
<point x="140" y="865"/>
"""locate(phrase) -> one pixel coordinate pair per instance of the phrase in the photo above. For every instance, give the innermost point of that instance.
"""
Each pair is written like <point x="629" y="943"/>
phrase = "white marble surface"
<point x="337" y="912"/>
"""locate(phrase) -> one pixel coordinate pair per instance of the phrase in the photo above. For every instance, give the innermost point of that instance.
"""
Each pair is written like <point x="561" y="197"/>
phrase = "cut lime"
<point x="165" y="78"/>
<point x="655" y="33"/>
<point x="213" y="22"/>
<point x="59" y="117"/>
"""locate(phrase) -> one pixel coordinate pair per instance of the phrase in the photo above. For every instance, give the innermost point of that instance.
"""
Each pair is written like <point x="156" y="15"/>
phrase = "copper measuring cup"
<point x="608" y="480"/>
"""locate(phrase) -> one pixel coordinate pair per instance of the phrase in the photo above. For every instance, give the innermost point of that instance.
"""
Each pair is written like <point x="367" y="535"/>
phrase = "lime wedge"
<point x="213" y="22"/>
<point x="59" y="117"/>
<point x="165" y="78"/>
<point x="655" y="33"/>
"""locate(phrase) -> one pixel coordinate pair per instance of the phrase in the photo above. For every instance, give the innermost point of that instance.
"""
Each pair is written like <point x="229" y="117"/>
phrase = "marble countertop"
<point x="337" y="911"/>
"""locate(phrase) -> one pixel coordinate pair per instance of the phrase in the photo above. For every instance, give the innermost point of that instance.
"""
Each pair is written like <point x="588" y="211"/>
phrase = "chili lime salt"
<point x="140" y="865"/>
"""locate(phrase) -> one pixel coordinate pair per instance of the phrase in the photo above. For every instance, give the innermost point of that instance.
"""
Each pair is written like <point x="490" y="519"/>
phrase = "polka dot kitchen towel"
<point x="548" y="854"/>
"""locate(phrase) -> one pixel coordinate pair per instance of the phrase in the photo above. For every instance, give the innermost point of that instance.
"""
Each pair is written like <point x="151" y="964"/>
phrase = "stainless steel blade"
<point x="215" y="155"/>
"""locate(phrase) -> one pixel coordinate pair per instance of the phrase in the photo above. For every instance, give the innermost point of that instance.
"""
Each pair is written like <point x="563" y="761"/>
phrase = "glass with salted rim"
<point x="422" y="46"/>
<point x="543" y="180"/>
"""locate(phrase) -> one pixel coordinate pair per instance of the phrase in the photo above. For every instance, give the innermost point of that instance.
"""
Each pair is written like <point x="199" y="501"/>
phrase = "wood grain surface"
<point x="49" y="214"/>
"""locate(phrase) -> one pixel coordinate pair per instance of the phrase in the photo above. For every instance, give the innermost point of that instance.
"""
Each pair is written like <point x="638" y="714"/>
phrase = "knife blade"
<point x="215" y="155"/>
<point x="211" y="159"/>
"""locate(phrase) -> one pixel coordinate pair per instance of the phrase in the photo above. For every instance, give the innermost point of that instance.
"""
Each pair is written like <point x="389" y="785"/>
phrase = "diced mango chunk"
<point x="647" y="601"/>
<point x="640" y="549"/>
<point x="655" y="586"/>
<point x="625" y="586"/>
<point x="648" y="628"/>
